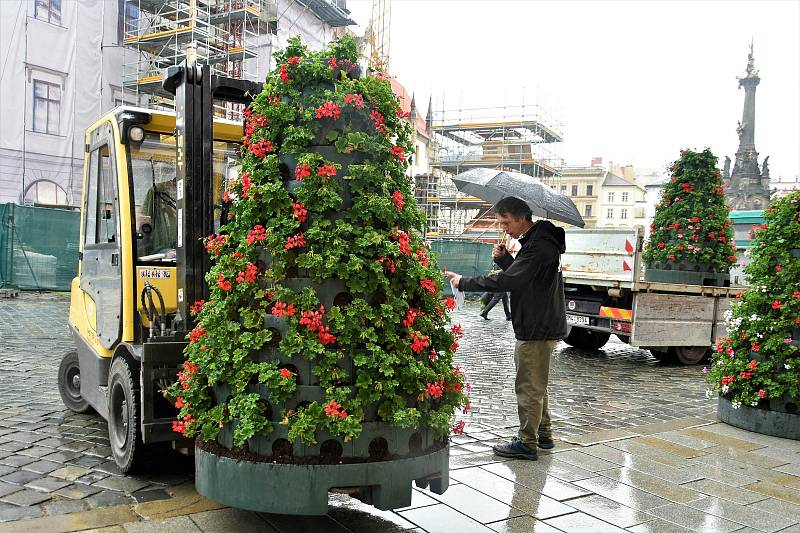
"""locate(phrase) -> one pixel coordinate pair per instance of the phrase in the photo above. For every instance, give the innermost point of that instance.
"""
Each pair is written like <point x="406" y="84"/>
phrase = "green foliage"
<point x="285" y="223"/>
<point x="691" y="225"/>
<point x="761" y="359"/>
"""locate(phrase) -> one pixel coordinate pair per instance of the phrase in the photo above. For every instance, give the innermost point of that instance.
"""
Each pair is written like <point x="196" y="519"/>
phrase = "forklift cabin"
<point x="152" y="189"/>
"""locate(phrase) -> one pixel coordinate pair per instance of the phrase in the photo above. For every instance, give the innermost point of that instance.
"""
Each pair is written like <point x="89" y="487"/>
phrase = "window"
<point x="611" y="197"/>
<point x="610" y="213"/>
<point x="46" y="107"/>
<point x="574" y="190"/>
<point x="127" y="19"/>
<point x="589" y="190"/>
<point x="563" y="188"/>
<point x="106" y="200"/>
<point x="48" y="11"/>
<point x="624" y="197"/>
<point x="587" y="210"/>
<point x="623" y="213"/>
<point x="45" y="192"/>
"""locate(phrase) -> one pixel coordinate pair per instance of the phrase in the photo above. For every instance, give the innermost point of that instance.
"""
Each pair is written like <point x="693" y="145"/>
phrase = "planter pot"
<point x="669" y="273"/>
<point x="766" y="421"/>
<point x="795" y="252"/>
<point x="303" y="490"/>
<point x="796" y="336"/>
<point x="354" y="120"/>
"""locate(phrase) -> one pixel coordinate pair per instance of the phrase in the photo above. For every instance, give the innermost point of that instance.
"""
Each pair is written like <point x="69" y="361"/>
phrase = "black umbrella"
<point x="493" y="185"/>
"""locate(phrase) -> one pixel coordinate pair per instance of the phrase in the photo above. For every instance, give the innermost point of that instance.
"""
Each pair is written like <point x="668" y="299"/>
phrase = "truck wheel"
<point x="69" y="383"/>
<point x="587" y="339"/>
<point x="123" y="420"/>
<point x="689" y="355"/>
<point x="683" y="355"/>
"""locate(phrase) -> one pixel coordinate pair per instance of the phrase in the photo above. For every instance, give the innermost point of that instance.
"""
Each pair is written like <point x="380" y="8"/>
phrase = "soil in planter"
<point x="280" y="456"/>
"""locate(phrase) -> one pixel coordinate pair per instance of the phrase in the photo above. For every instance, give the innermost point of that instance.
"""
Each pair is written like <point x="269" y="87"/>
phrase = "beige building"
<point x="605" y="195"/>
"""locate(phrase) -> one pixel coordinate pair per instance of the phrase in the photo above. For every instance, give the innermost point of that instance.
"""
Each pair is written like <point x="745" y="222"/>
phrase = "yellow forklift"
<point x="152" y="189"/>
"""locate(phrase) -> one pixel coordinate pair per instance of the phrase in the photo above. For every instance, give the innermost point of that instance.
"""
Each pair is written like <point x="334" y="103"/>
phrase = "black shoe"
<point x="508" y="318"/>
<point x="484" y="317"/>
<point x="546" y="443"/>
<point x="516" y="450"/>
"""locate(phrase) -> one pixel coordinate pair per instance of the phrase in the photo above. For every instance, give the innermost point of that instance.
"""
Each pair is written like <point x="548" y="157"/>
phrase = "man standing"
<point x="537" y="314"/>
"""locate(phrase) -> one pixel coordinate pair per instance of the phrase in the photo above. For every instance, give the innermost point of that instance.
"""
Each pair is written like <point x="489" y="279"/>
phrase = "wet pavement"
<point x="640" y="450"/>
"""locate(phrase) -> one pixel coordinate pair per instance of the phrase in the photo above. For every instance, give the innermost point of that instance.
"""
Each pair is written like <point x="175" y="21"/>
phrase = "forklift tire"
<point x="69" y="383"/>
<point x="123" y="417"/>
<point x="587" y="339"/>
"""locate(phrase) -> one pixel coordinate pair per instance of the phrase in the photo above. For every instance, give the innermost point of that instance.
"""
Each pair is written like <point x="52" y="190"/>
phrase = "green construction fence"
<point x="38" y="247"/>
<point x="467" y="258"/>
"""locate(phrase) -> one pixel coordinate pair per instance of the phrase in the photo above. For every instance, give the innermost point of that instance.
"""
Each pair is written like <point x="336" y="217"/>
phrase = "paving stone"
<point x="179" y="524"/>
<point x="36" y="451"/>
<point x="65" y="506"/>
<point x="150" y="495"/>
<point x="646" y="452"/>
<point x="26" y="497"/>
<point x="420" y="498"/>
<point x="92" y="477"/>
<point x="108" y="498"/>
<point x="9" y="512"/>
<point x="178" y="506"/>
<point x="47" y="484"/>
<point x="776" y="491"/>
<point x="477" y="505"/>
<point x="653" y="485"/>
<point x="354" y="516"/>
<point x="729" y="442"/>
<point x="20" y="477"/>
<point x="70" y="473"/>
<point x="122" y="484"/>
<point x="443" y="519"/>
<point x="778" y="507"/>
<point x="61" y="457"/>
<point x="522" y="524"/>
<point x="95" y="518"/>
<point x="518" y="472"/>
<point x="726" y="492"/>
<point x="582" y="523"/>
<point x="693" y="519"/>
<point x="657" y="525"/>
<point x="609" y="511"/>
<point x="77" y="491"/>
<point x="8" y="488"/>
<point x="755" y="518"/>
<point x="667" y="446"/>
<point x="17" y="460"/>
<point x="621" y="493"/>
<point x="42" y="467"/>
<point x="753" y="458"/>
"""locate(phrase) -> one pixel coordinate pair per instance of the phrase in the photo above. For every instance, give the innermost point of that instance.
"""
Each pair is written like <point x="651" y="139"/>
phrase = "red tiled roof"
<point x="405" y="104"/>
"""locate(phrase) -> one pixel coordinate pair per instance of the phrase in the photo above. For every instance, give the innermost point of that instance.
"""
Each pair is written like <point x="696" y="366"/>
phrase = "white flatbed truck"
<point x="605" y="294"/>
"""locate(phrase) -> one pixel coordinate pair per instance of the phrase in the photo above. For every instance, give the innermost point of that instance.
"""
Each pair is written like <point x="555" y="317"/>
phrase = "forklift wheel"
<point x="69" y="383"/>
<point x="123" y="420"/>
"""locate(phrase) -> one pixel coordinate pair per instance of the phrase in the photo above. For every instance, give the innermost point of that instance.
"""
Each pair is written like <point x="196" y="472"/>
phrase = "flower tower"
<point x="323" y="358"/>
<point x="756" y="369"/>
<point x="691" y="240"/>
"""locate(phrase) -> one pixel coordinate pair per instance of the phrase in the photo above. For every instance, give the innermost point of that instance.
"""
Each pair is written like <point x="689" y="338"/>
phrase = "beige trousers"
<point x="532" y="360"/>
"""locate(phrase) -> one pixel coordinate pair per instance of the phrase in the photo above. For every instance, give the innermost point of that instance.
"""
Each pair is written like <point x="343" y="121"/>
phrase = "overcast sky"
<point x="636" y="81"/>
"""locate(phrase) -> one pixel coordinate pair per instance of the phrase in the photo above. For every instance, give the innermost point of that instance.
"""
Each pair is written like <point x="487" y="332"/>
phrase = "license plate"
<point x="577" y="320"/>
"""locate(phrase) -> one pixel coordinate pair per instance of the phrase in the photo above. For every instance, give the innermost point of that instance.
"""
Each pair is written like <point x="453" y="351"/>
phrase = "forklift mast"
<point x="195" y="91"/>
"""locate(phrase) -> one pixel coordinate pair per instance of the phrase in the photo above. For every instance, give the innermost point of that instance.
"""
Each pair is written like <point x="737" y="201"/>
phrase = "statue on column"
<point x="765" y="168"/>
<point x="726" y="169"/>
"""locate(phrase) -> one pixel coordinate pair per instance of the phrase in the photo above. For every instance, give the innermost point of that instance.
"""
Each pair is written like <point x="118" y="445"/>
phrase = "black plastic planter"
<point x="767" y="421"/>
<point x="692" y="274"/>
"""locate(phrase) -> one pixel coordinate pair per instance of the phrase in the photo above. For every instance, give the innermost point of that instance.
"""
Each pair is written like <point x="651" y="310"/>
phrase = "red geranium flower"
<point x="397" y="199"/>
<point x="398" y="152"/>
<point x="428" y="285"/>
<point x="302" y="171"/>
<point x="286" y="373"/>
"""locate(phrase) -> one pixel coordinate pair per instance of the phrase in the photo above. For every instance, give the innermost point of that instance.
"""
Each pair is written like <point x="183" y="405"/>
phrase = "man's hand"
<point x="452" y="276"/>
<point x="499" y="250"/>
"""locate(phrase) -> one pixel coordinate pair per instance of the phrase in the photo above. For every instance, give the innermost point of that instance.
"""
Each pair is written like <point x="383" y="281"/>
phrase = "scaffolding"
<point x="228" y="35"/>
<point x="521" y="138"/>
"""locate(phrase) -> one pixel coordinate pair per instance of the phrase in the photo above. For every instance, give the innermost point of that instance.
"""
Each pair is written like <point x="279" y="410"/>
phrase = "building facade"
<point x="62" y="68"/>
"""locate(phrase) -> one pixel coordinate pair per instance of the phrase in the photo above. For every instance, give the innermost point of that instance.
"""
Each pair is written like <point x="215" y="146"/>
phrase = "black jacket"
<point x="535" y="282"/>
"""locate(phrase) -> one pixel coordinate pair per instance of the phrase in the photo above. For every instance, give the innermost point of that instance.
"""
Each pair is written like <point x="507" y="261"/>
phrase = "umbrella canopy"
<point x="493" y="185"/>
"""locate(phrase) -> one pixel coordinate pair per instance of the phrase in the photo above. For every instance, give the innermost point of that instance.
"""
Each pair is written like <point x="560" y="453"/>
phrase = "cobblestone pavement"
<point x="640" y="451"/>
